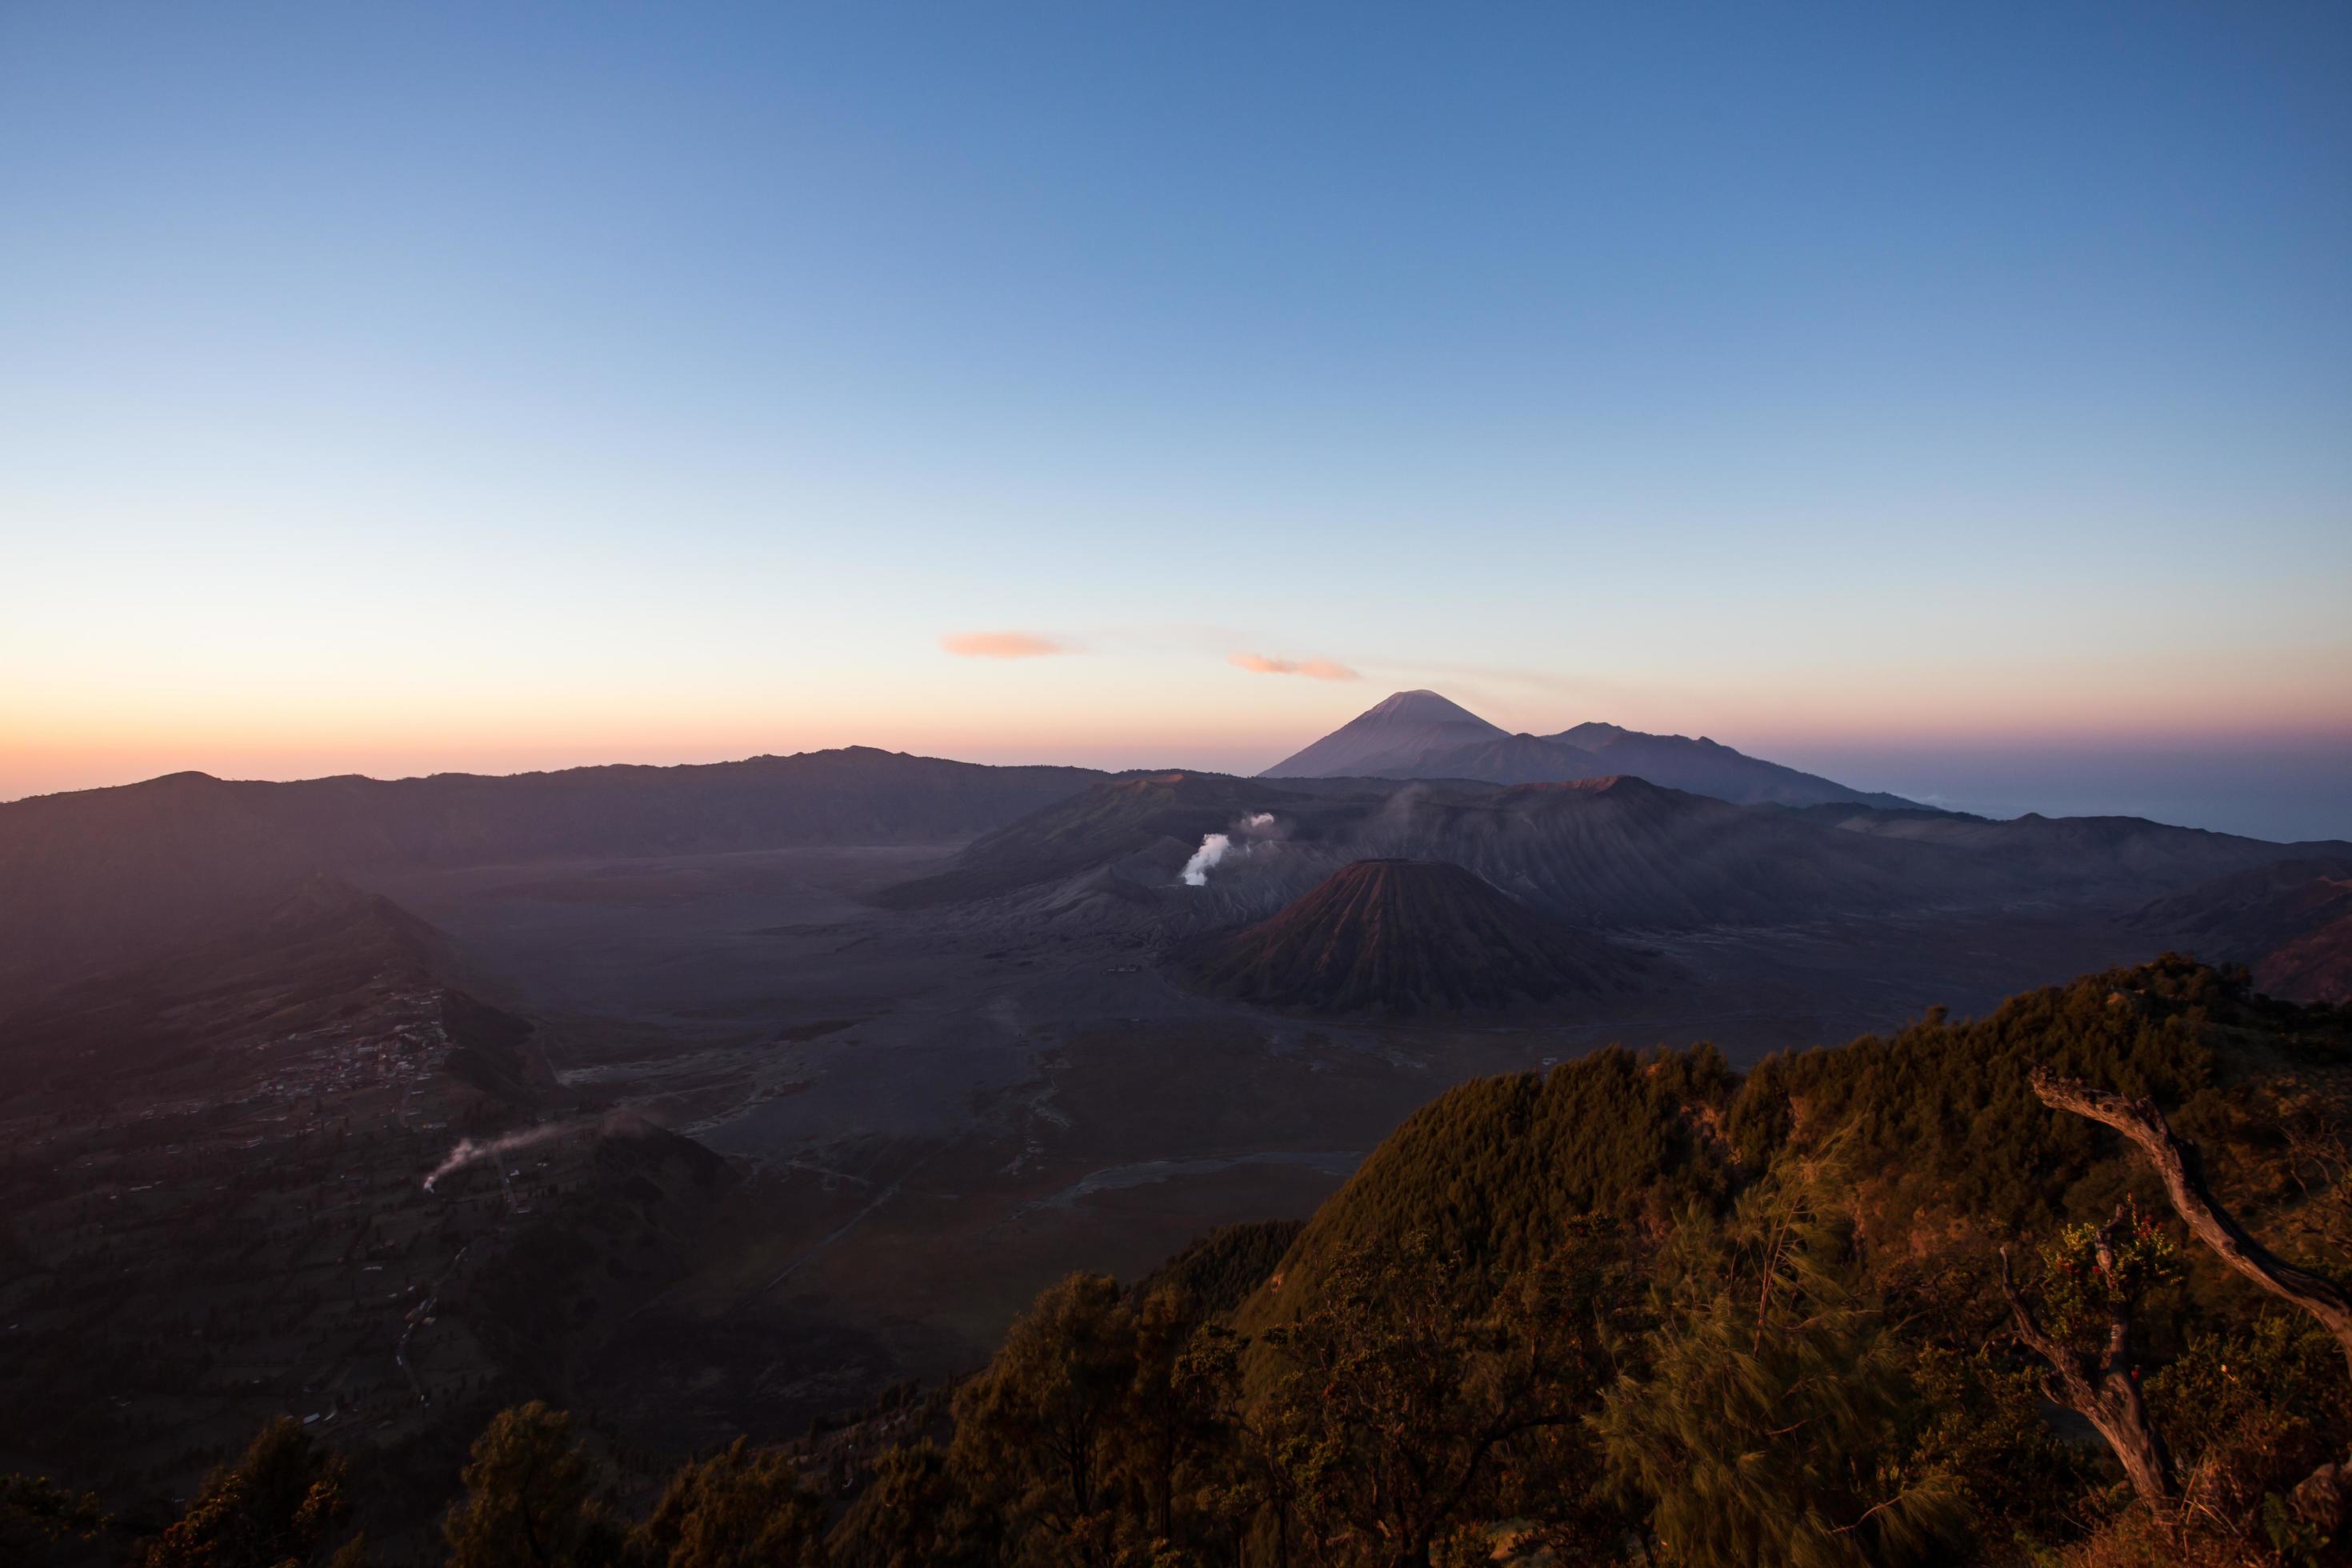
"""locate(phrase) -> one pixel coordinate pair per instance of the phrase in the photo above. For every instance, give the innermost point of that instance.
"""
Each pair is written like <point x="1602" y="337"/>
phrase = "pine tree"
<point x="1776" y="1422"/>
<point x="531" y="1499"/>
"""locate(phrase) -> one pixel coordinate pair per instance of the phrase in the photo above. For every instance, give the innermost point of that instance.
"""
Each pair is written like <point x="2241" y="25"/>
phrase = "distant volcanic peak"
<point x="1422" y="735"/>
<point x="1407" y="936"/>
<point x="1392" y="733"/>
<point x="1424" y="707"/>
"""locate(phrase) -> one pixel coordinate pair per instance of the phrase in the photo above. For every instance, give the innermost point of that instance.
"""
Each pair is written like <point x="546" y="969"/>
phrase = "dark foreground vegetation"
<point x="2067" y="1284"/>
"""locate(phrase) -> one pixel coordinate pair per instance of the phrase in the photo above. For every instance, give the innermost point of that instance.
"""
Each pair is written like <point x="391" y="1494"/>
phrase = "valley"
<point x="787" y="1119"/>
<point x="938" y="1118"/>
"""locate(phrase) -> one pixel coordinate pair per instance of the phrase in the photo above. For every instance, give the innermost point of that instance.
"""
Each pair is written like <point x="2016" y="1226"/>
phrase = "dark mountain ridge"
<point x="318" y="954"/>
<point x="101" y="877"/>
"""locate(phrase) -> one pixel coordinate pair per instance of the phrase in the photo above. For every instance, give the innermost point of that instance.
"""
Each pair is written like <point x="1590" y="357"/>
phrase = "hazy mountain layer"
<point x="98" y="877"/>
<point x="1610" y="853"/>
<point x="1706" y="767"/>
<point x="2118" y="852"/>
<point x="1422" y="735"/>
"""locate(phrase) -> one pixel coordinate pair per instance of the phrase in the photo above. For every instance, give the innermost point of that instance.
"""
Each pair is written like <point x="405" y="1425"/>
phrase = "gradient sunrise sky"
<point x="1955" y="399"/>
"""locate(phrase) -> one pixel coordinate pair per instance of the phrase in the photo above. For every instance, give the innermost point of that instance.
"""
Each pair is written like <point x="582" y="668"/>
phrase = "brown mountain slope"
<point x="1410" y="936"/>
<point x="2290" y="922"/>
<point x="2315" y="968"/>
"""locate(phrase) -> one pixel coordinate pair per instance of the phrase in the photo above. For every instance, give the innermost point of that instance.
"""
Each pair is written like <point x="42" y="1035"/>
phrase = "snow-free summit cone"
<point x="1391" y="734"/>
<point x="1410" y="936"/>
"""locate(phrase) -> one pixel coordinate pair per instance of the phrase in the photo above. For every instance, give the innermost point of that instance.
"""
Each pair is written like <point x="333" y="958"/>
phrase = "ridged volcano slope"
<point x="1407" y="936"/>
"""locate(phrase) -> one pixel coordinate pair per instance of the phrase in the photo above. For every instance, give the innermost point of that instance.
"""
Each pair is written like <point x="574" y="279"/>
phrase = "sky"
<point x="1957" y="400"/>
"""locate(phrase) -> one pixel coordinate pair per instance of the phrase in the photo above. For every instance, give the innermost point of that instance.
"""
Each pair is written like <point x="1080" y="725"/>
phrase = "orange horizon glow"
<point x="1223" y="727"/>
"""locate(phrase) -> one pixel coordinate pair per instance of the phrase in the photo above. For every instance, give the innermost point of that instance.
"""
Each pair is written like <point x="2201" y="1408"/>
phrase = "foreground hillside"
<point x="1639" y="1309"/>
<point x="1644" y="1309"/>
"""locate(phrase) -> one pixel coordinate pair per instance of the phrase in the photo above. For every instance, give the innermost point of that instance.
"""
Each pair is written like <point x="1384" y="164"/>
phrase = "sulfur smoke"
<point x="1216" y="846"/>
<point x="468" y="1150"/>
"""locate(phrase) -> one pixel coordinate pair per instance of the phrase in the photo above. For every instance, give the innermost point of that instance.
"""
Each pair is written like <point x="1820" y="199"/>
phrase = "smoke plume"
<point x="1214" y="848"/>
<point x="1253" y="829"/>
<point x="468" y="1151"/>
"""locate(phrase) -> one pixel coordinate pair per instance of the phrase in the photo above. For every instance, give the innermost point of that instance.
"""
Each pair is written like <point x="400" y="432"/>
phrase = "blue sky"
<point x="399" y="387"/>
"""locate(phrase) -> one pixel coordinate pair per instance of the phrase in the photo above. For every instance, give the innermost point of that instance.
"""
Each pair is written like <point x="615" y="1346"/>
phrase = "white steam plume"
<point x="1215" y="848"/>
<point x="468" y="1151"/>
<point x="1212" y="849"/>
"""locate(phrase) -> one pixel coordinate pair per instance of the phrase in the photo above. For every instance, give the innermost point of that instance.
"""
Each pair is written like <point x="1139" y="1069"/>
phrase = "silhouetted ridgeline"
<point x="97" y="876"/>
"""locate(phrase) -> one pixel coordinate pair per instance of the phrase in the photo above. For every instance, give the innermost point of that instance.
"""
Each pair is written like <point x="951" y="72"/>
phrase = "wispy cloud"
<point x="1312" y="669"/>
<point x="1003" y="645"/>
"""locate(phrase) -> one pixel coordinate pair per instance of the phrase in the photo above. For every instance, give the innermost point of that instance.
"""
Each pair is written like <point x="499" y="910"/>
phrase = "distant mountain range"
<point x="110" y="876"/>
<point x="1596" y="854"/>
<point x="102" y="880"/>
<point x="1422" y="735"/>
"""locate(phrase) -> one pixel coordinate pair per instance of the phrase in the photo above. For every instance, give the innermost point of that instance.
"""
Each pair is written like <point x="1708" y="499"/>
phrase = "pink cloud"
<point x="1002" y="645"/>
<point x="1312" y="669"/>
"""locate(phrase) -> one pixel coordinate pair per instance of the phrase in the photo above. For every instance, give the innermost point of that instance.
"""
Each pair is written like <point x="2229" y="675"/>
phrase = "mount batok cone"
<point x="1410" y="936"/>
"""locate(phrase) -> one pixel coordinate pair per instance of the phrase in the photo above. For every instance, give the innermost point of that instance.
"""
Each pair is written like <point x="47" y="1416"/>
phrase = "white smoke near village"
<point x="1217" y="848"/>
<point x="469" y="1151"/>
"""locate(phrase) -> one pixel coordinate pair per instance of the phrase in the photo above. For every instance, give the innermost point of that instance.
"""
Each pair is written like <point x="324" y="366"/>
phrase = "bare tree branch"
<point x="2325" y="1496"/>
<point x="2182" y="1170"/>
<point x="2111" y="1403"/>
